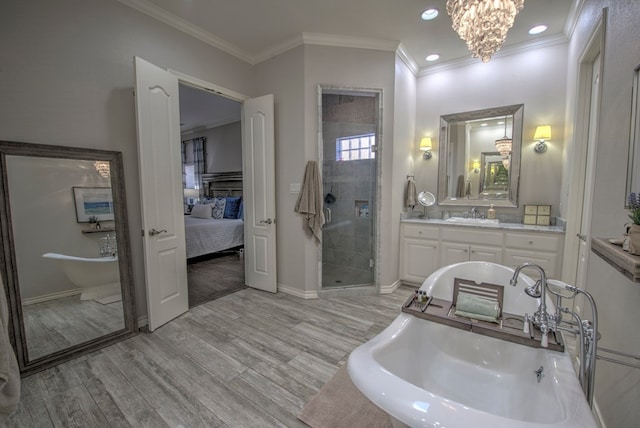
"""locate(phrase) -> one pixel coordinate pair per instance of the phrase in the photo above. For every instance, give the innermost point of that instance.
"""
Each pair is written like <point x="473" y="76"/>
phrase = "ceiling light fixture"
<point x="537" y="29"/>
<point x="103" y="168"/>
<point x="429" y="14"/>
<point x="433" y="57"/>
<point x="482" y="24"/>
<point x="504" y="144"/>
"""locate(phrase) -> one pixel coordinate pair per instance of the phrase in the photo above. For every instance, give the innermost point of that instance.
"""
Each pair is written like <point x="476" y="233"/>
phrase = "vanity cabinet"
<point x="542" y="249"/>
<point x="425" y="247"/>
<point x="419" y="252"/>
<point x="465" y="244"/>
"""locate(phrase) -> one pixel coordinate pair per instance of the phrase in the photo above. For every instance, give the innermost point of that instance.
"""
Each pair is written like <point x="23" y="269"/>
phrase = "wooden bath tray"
<point x="509" y="328"/>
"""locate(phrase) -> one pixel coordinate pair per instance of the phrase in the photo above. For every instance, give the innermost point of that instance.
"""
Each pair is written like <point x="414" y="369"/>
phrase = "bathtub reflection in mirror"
<point x="65" y="252"/>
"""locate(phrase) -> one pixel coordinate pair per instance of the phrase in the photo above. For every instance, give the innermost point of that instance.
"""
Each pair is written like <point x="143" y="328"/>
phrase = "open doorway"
<point x="211" y="144"/>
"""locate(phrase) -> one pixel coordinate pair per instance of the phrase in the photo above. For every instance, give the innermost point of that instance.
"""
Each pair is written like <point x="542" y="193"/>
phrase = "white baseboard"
<point x="597" y="415"/>
<point x="298" y="293"/>
<point x="388" y="289"/>
<point x="52" y="296"/>
<point x="143" y="321"/>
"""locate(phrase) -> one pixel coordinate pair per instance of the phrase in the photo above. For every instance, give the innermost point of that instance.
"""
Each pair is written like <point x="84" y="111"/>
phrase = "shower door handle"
<point x="328" y="216"/>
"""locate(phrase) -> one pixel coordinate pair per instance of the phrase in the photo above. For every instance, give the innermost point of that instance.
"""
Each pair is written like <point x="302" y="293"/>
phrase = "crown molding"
<point x="350" y="42"/>
<point x="504" y="52"/>
<point x="407" y="59"/>
<point x="186" y="27"/>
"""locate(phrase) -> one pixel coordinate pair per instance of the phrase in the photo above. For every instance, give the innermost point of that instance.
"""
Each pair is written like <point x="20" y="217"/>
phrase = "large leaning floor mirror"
<point x="64" y="260"/>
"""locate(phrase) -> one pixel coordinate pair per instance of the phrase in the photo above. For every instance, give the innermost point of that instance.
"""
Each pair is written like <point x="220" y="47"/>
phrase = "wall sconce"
<point x="543" y="133"/>
<point x="425" y="146"/>
<point x="476" y="166"/>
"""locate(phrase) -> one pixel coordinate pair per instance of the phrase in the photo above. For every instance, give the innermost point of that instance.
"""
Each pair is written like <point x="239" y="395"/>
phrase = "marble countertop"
<point x="507" y="226"/>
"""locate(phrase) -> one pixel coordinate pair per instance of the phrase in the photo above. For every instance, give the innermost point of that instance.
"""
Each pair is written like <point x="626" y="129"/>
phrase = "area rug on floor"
<point x="340" y="404"/>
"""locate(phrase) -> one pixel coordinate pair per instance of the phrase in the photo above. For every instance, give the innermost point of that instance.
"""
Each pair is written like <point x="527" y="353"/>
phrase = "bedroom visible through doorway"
<point x="211" y="144"/>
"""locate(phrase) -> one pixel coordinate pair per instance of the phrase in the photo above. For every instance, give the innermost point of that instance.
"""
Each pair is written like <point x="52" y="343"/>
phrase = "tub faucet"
<point x="474" y="212"/>
<point x="541" y="318"/>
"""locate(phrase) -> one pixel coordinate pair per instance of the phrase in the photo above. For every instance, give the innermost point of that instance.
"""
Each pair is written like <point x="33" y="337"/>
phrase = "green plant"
<point x="633" y="202"/>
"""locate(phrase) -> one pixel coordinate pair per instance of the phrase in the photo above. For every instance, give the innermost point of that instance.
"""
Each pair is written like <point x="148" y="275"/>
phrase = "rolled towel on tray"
<point x="477" y="307"/>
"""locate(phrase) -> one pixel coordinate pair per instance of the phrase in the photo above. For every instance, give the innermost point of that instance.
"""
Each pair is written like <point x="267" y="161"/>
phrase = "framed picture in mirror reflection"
<point x="93" y="203"/>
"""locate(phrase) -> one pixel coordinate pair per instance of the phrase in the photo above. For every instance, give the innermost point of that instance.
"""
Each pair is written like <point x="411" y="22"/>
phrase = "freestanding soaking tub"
<point x="427" y="374"/>
<point x="98" y="277"/>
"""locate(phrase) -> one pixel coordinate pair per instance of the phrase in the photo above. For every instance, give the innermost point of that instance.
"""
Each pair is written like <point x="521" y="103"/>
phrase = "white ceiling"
<point x="255" y="30"/>
<point x="200" y="109"/>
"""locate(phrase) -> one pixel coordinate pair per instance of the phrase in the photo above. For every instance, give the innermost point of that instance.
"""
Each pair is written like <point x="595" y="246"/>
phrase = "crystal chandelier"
<point x="504" y="144"/>
<point x="103" y="168"/>
<point x="483" y="24"/>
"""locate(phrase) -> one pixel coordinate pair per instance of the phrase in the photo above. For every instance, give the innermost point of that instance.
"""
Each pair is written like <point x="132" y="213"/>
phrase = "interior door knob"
<point x="267" y="221"/>
<point x="154" y="232"/>
<point x="581" y="237"/>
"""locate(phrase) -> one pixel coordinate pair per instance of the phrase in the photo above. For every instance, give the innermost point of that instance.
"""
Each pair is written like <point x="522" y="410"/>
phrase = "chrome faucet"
<point x="474" y="212"/>
<point x="541" y="318"/>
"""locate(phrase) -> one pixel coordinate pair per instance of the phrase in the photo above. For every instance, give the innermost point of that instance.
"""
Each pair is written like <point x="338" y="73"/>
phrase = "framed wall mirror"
<point x="65" y="258"/>
<point x="633" y="166"/>
<point x="475" y="168"/>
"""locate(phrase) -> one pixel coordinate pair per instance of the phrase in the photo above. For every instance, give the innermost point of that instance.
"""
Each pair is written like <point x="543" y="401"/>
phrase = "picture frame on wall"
<point x="93" y="204"/>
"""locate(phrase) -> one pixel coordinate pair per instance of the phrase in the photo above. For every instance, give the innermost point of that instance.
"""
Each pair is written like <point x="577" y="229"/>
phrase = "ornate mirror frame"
<point x="449" y="154"/>
<point x="8" y="261"/>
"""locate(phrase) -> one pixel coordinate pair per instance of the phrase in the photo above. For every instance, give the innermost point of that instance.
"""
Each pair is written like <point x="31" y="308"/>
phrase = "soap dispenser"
<point x="491" y="213"/>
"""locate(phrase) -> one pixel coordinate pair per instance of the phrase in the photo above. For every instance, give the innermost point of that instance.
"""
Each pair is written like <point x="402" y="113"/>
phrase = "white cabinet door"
<point x="454" y="253"/>
<point x="419" y="259"/>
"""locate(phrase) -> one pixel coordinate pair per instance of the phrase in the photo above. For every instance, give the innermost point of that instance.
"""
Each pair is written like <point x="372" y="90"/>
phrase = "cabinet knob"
<point x="530" y="242"/>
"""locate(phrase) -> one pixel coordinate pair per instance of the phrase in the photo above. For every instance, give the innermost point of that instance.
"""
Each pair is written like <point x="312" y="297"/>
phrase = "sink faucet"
<point x="474" y="212"/>
<point x="541" y="318"/>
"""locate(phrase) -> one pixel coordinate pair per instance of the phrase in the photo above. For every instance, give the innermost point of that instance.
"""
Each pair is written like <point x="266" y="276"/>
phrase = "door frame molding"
<point x="196" y="83"/>
<point x="594" y="46"/>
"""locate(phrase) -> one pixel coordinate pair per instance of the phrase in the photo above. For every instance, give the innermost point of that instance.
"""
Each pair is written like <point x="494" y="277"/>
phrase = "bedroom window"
<point x="356" y="147"/>
<point x="190" y="177"/>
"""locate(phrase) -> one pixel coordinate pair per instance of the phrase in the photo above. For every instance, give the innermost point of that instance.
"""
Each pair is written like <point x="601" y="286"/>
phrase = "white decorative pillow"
<point x="218" y="208"/>
<point x="201" y="211"/>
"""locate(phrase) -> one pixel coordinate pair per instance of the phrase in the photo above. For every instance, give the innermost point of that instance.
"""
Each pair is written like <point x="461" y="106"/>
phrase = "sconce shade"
<point x="425" y="144"/>
<point x="543" y="132"/>
<point x="476" y="164"/>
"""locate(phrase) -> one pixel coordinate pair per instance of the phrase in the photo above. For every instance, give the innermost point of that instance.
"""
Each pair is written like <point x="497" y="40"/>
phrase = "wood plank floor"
<point x="249" y="359"/>
<point x="57" y="324"/>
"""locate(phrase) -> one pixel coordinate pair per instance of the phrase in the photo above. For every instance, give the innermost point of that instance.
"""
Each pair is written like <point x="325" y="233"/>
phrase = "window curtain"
<point x="184" y="163"/>
<point x="199" y="163"/>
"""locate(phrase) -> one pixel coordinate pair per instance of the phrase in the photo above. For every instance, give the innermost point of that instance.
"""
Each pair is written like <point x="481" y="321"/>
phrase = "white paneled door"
<point x="159" y="158"/>
<point x="258" y="154"/>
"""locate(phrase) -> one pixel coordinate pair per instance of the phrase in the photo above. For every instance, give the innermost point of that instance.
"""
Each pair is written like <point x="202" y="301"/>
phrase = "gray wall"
<point x="617" y="391"/>
<point x="536" y="79"/>
<point x="44" y="219"/>
<point x="224" y="147"/>
<point x="67" y="79"/>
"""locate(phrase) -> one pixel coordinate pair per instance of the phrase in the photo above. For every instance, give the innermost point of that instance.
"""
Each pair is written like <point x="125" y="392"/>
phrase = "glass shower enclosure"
<point x="349" y="146"/>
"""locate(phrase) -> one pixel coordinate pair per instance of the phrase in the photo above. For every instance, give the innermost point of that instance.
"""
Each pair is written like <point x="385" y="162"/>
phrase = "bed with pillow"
<point x="215" y="225"/>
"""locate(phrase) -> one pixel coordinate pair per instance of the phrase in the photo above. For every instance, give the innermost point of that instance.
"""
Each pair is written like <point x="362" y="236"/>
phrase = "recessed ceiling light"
<point x="429" y="14"/>
<point x="433" y="57"/>
<point x="483" y="124"/>
<point x="501" y="122"/>
<point x="538" y="29"/>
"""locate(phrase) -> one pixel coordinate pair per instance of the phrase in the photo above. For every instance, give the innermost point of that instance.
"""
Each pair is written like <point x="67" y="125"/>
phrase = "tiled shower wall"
<point x="348" y="240"/>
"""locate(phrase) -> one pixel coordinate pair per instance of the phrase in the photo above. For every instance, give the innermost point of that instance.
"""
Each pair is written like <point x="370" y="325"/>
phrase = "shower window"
<point x="356" y="147"/>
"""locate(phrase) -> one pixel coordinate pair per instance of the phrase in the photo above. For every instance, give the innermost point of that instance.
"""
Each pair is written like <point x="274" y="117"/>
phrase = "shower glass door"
<point x="349" y="179"/>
